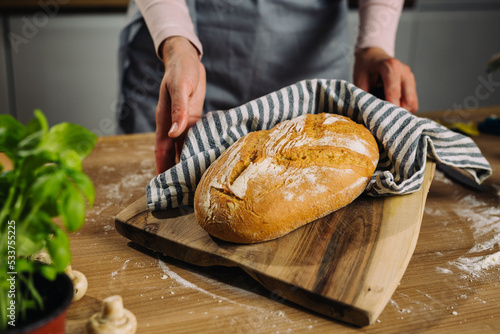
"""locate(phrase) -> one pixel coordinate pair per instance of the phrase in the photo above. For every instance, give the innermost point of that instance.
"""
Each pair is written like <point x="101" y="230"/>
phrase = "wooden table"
<point x="440" y="291"/>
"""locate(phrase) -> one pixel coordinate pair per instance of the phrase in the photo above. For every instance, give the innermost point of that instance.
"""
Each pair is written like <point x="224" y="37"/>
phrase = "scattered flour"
<point x="114" y="273"/>
<point x="280" y="313"/>
<point x="115" y="192"/>
<point x="497" y="187"/>
<point x="186" y="284"/>
<point x="399" y="309"/>
<point x="173" y="275"/>
<point x="483" y="216"/>
<point x="107" y="169"/>
<point x="486" y="245"/>
<point x="259" y="319"/>
<point x="108" y="228"/>
<point x="476" y="265"/>
<point x="485" y="223"/>
<point x="443" y="270"/>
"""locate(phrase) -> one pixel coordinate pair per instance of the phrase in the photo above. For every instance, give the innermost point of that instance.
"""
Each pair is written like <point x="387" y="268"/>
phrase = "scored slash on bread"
<point x="271" y="182"/>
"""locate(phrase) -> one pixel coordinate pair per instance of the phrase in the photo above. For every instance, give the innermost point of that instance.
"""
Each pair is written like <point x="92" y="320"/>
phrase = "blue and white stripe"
<point x="405" y="140"/>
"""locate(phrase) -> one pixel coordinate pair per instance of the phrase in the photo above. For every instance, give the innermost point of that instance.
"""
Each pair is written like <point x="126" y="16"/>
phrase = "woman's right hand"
<point x="180" y="103"/>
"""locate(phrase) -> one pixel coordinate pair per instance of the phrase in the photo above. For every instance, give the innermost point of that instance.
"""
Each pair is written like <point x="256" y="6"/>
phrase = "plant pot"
<point x="57" y="296"/>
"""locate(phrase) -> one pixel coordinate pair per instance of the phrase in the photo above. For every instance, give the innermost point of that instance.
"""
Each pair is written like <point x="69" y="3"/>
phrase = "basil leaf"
<point x="34" y="132"/>
<point x="38" y="123"/>
<point x="71" y="160"/>
<point x="39" y="227"/>
<point x="67" y="136"/>
<point x="48" y="271"/>
<point x="51" y="206"/>
<point x="84" y="183"/>
<point x="23" y="265"/>
<point x="29" y="145"/>
<point x="11" y="132"/>
<point x="46" y="186"/>
<point x="58" y="247"/>
<point x="72" y="208"/>
<point x="6" y="181"/>
<point x="31" y="166"/>
<point x="28" y="244"/>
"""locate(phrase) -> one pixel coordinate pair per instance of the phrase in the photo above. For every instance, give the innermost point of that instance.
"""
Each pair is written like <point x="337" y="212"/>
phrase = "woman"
<point x="218" y="54"/>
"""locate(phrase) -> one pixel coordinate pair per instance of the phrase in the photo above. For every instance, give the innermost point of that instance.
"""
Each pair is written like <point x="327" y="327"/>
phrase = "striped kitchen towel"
<point x="405" y="140"/>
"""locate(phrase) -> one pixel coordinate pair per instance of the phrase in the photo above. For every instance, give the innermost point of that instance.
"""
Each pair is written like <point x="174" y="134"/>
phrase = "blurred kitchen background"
<point x="61" y="56"/>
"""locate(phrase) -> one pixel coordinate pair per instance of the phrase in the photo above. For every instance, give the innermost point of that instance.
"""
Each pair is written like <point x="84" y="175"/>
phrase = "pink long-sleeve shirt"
<point x="377" y="24"/>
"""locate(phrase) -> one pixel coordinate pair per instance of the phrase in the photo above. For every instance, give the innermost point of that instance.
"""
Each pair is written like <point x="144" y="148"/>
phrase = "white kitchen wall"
<point x="68" y="68"/>
<point x="450" y="54"/>
<point x="455" y="4"/>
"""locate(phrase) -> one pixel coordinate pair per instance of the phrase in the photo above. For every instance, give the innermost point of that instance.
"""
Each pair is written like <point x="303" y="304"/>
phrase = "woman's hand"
<point x="180" y="103"/>
<point x="372" y="64"/>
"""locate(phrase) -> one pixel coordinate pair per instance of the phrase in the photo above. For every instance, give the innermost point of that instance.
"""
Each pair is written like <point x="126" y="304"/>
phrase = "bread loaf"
<point x="271" y="182"/>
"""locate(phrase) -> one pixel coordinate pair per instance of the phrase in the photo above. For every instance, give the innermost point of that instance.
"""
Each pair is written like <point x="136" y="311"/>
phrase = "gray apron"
<point x="251" y="48"/>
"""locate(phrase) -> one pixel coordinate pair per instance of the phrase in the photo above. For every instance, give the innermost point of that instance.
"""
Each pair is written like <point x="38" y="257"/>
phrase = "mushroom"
<point x="42" y="257"/>
<point x="113" y="318"/>
<point x="79" y="280"/>
<point x="80" y="283"/>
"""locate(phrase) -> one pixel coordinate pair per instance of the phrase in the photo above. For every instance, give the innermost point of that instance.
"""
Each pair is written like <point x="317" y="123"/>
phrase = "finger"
<point x="409" y="99"/>
<point x="179" y="107"/>
<point x="361" y="77"/>
<point x="362" y="81"/>
<point x="165" y="155"/>
<point x="164" y="148"/>
<point x="391" y="77"/>
<point x="179" y="144"/>
<point x="162" y="113"/>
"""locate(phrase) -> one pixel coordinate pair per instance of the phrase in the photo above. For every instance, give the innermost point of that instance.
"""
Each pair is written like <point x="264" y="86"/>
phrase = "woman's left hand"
<point x="372" y="64"/>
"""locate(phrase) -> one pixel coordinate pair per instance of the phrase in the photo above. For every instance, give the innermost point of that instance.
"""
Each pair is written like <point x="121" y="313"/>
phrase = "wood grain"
<point x="434" y="295"/>
<point x="345" y="265"/>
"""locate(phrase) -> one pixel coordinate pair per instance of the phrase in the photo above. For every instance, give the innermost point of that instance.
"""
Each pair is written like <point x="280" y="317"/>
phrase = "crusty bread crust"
<point x="271" y="182"/>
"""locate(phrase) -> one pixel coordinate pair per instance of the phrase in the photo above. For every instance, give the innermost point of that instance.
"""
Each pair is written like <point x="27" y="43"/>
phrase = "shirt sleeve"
<point x="167" y="18"/>
<point x="378" y="23"/>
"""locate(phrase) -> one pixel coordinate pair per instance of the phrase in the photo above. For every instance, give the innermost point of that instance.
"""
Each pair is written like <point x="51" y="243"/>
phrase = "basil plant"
<point x="46" y="181"/>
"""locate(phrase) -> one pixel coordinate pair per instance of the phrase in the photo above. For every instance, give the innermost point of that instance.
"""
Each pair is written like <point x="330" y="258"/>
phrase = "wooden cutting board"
<point x="346" y="265"/>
